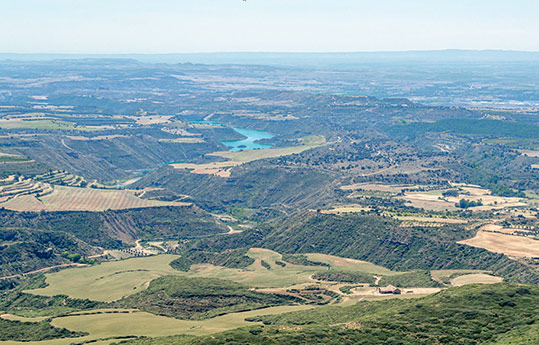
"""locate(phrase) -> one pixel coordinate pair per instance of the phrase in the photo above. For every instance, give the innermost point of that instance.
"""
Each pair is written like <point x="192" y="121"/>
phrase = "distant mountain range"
<point x="317" y="60"/>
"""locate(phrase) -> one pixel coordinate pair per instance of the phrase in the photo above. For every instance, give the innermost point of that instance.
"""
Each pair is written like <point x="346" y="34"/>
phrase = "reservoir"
<point x="250" y="143"/>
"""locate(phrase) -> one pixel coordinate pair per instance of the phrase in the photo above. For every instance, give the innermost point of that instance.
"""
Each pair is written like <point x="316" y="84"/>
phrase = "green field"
<point x="112" y="280"/>
<point x="109" y="281"/>
<point x="103" y="324"/>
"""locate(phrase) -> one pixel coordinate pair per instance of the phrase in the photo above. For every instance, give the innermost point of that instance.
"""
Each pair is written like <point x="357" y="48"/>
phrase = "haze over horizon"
<point x="166" y="26"/>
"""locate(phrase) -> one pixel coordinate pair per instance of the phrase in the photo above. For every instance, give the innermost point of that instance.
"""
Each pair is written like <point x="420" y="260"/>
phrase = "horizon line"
<point x="280" y="52"/>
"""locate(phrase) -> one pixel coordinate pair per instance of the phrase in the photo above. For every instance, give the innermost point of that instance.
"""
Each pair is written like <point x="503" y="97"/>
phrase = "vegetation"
<point x="181" y="264"/>
<point x="464" y="203"/>
<point x="18" y="302"/>
<point x="300" y="259"/>
<point x="411" y="279"/>
<point x="383" y="242"/>
<point x="198" y="298"/>
<point x="233" y="258"/>
<point x="476" y="314"/>
<point x="33" y="331"/>
<point x="493" y="128"/>
<point x="345" y="277"/>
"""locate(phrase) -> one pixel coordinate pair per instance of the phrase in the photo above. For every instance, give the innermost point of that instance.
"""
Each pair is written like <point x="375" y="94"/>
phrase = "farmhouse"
<point x="389" y="290"/>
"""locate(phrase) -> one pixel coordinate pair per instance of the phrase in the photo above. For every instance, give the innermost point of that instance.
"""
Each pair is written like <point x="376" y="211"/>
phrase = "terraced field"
<point x="83" y="199"/>
<point x="62" y="178"/>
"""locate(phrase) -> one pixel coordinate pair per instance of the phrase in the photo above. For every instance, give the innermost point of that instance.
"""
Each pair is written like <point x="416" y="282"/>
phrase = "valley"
<point x="188" y="204"/>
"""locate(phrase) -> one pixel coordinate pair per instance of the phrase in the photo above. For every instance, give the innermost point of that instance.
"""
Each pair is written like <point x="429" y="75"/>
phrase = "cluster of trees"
<point x="465" y="203"/>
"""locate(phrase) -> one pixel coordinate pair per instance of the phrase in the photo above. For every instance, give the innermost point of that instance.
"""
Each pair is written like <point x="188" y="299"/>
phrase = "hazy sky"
<point x="176" y="26"/>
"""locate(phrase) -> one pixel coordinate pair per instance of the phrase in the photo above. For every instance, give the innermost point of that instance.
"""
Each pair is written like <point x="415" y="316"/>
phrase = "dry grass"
<point x="352" y="208"/>
<point x="505" y="244"/>
<point x="479" y="278"/>
<point x="151" y="120"/>
<point x="434" y="201"/>
<point x="345" y="264"/>
<point x="431" y="220"/>
<point x="83" y="199"/>
<point x="441" y="275"/>
<point x="530" y="153"/>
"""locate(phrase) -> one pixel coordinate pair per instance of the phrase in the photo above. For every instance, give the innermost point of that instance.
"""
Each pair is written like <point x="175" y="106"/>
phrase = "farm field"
<point x="109" y="281"/>
<point x="103" y="324"/>
<point x="432" y="220"/>
<point x="83" y="199"/>
<point x="435" y="202"/>
<point x="506" y="244"/>
<point x="446" y="275"/>
<point x="352" y="208"/>
<point x="530" y="153"/>
<point x="478" y="278"/>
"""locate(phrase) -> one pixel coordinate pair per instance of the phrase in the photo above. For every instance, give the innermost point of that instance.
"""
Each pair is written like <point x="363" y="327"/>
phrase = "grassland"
<point x="103" y="324"/>
<point x="257" y="275"/>
<point x="465" y="315"/>
<point x="65" y="198"/>
<point x="477" y="278"/>
<point x="109" y="281"/>
<point x="351" y="265"/>
<point x="112" y="280"/>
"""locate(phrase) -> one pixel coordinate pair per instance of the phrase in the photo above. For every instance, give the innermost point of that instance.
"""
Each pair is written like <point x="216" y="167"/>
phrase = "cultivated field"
<point x="442" y="276"/>
<point x="530" y="153"/>
<point x="479" y="278"/>
<point x="83" y="199"/>
<point x="506" y="244"/>
<point x="433" y="200"/>
<point x="106" y="324"/>
<point x="108" y="281"/>
<point x="352" y="208"/>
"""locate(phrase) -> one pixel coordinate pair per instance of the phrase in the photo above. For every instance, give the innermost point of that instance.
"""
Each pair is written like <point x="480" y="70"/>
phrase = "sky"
<point x="187" y="26"/>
